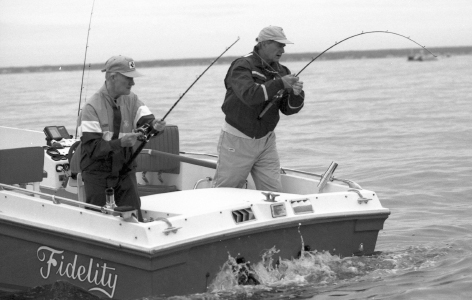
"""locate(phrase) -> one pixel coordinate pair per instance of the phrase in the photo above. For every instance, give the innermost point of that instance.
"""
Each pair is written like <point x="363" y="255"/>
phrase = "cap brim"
<point x="284" y="41"/>
<point x="131" y="74"/>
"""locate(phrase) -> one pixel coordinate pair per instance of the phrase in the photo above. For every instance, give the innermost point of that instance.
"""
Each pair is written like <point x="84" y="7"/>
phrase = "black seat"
<point x="22" y="165"/>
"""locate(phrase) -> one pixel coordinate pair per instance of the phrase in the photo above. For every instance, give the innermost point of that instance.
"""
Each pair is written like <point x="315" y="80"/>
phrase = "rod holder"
<point x="110" y="198"/>
<point x="327" y="176"/>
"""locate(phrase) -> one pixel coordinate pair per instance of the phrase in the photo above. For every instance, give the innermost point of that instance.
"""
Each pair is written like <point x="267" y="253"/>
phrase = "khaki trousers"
<point x="238" y="157"/>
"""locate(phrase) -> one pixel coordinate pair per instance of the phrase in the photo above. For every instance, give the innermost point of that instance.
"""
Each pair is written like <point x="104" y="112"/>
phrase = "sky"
<point x="54" y="32"/>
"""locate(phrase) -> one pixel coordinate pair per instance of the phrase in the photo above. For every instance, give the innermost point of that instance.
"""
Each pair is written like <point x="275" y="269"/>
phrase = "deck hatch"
<point x="243" y="215"/>
<point x="302" y="206"/>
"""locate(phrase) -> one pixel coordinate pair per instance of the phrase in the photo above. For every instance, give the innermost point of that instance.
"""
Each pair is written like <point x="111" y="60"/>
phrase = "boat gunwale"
<point x="153" y="252"/>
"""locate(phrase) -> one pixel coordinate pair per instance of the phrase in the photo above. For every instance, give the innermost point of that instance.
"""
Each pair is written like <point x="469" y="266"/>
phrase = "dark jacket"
<point x="250" y="85"/>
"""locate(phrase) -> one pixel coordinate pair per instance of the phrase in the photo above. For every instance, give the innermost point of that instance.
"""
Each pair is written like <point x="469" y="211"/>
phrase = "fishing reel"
<point x="148" y="131"/>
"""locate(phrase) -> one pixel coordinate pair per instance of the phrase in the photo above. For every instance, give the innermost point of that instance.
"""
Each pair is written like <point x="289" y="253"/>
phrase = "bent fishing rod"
<point x="279" y="94"/>
<point x="182" y="95"/>
<point x="83" y="69"/>
<point x="148" y="131"/>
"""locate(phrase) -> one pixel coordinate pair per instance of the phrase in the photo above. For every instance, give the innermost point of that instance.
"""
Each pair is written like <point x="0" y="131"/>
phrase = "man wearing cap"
<point x="107" y="127"/>
<point x="247" y="141"/>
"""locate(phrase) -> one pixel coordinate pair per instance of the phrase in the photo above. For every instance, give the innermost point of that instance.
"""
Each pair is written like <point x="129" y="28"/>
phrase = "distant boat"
<point x="421" y="57"/>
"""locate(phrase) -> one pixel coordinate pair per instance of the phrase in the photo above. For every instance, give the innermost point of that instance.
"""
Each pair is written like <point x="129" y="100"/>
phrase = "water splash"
<point x="318" y="271"/>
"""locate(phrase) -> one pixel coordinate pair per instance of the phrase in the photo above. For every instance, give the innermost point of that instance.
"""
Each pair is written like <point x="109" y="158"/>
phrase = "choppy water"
<point x="402" y="129"/>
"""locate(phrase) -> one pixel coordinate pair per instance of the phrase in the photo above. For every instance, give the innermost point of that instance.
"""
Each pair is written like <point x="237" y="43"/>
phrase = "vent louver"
<point x="302" y="206"/>
<point x="243" y="215"/>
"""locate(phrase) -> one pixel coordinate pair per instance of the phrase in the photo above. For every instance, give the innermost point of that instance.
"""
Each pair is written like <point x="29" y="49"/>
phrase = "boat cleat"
<point x="270" y="197"/>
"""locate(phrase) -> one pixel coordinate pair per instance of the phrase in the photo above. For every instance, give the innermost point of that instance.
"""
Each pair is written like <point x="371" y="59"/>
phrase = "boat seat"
<point x="22" y="166"/>
<point x="168" y="142"/>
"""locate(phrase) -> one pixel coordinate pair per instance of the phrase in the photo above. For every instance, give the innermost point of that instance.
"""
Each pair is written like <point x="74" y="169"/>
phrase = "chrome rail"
<point x="55" y="199"/>
<point x="208" y="179"/>
<point x="350" y="183"/>
<point x="169" y="228"/>
<point x="61" y="200"/>
<point x="361" y="198"/>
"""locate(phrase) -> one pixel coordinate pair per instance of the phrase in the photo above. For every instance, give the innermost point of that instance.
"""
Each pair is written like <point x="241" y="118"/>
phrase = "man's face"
<point x="272" y="51"/>
<point x="122" y="84"/>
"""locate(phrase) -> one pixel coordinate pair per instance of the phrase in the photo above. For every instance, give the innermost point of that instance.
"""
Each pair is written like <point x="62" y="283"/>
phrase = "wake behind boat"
<point x="48" y="234"/>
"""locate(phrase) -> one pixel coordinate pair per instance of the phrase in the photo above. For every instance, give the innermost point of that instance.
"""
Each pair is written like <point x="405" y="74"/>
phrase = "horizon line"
<point x="374" y="53"/>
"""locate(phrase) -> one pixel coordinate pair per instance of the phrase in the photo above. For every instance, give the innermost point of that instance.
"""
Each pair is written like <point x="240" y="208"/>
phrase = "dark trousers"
<point x="126" y="190"/>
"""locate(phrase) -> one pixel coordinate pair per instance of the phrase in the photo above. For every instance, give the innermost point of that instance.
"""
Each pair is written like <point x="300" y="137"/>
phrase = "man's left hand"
<point x="297" y="87"/>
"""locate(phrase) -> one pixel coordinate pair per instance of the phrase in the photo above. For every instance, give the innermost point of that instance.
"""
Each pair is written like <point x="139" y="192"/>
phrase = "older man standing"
<point x="247" y="141"/>
<point x="107" y="126"/>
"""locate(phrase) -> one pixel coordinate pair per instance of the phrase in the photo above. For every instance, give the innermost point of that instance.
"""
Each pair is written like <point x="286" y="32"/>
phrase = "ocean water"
<point x="402" y="129"/>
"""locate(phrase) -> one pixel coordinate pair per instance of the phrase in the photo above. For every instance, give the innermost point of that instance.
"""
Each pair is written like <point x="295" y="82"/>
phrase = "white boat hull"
<point x="188" y="236"/>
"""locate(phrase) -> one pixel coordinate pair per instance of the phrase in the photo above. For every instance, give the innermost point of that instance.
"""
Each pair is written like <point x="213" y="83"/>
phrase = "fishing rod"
<point x="148" y="131"/>
<point x="279" y="94"/>
<point x="83" y="69"/>
<point x="182" y="95"/>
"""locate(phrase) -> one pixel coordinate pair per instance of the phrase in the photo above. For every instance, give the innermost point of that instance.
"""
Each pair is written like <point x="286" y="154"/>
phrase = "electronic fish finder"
<point x="56" y="133"/>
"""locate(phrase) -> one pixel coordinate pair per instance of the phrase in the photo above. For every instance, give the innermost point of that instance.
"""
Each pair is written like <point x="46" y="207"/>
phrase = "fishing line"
<point x="182" y="95"/>
<point x="83" y="69"/>
<point x="279" y="94"/>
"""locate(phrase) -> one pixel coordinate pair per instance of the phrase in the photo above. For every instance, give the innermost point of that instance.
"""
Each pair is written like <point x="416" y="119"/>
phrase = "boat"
<point x="421" y="56"/>
<point x="190" y="230"/>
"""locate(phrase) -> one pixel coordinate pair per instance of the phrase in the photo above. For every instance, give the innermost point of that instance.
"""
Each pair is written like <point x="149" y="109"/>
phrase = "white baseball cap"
<point x="273" y="33"/>
<point x="123" y="65"/>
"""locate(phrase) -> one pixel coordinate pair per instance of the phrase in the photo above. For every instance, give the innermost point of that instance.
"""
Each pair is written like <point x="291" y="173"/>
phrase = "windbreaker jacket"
<point x="250" y="85"/>
<point x="102" y="153"/>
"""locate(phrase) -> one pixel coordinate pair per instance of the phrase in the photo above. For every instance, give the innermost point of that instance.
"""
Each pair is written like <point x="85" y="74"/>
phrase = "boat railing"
<point x="350" y="183"/>
<point x="126" y="215"/>
<point x="55" y="199"/>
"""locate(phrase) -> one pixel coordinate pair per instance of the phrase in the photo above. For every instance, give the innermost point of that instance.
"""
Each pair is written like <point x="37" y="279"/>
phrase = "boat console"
<point x="56" y="163"/>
